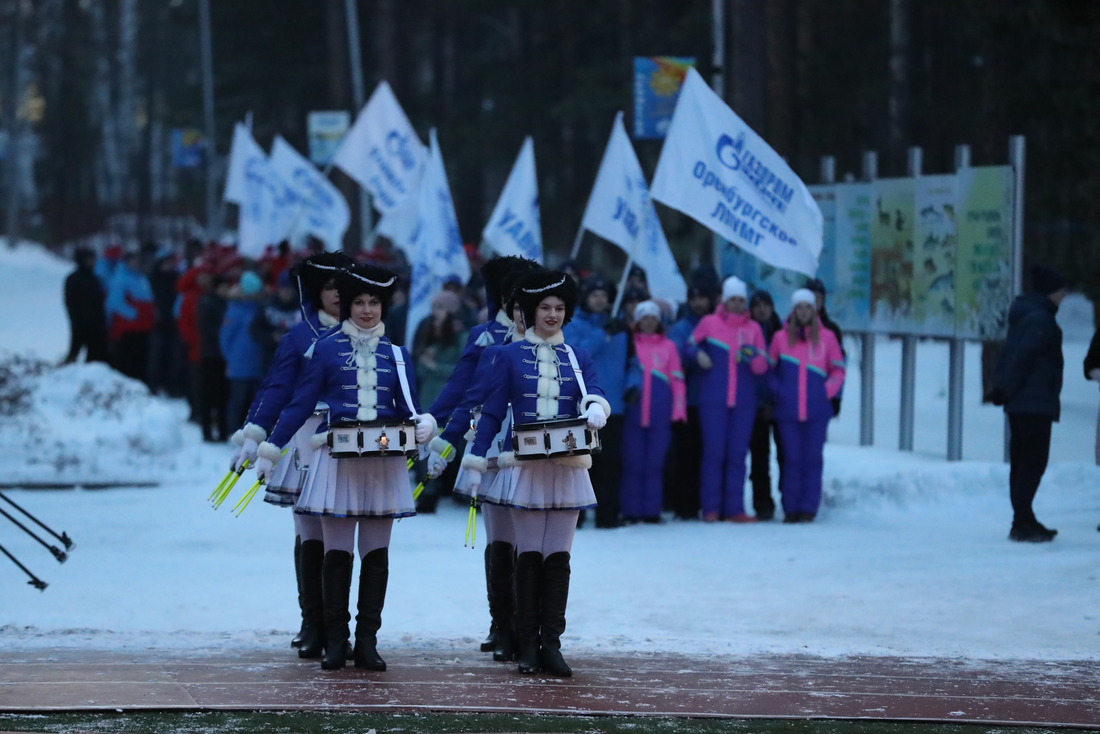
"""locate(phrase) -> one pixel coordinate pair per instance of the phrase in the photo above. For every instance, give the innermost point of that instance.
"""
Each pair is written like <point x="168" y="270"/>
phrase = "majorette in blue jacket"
<point x="357" y="384"/>
<point x="537" y="379"/>
<point x="481" y="336"/>
<point x="286" y="369"/>
<point x="484" y="378"/>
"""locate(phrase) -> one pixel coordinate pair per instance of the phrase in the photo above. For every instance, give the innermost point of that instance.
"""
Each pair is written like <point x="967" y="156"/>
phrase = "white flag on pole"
<point x="320" y="209"/>
<point x="381" y="150"/>
<point x="619" y="210"/>
<point x="436" y="244"/>
<point x="266" y="204"/>
<point x="514" y="227"/>
<point x="715" y="169"/>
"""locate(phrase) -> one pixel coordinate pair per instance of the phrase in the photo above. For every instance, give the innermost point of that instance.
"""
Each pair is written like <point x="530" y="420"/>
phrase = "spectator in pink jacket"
<point x="655" y="396"/>
<point x="730" y="348"/>
<point x="807" y="372"/>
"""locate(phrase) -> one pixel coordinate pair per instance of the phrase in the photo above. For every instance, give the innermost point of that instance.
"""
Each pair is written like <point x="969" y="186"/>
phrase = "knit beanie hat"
<point x="734" y="287"/>
<point x="647" y="308"/>
<point x="803" y="295"/>
<point x="1046" y="281"/>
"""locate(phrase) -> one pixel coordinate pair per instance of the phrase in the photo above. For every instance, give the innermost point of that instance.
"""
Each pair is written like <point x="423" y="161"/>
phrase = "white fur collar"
<point x="530" y="336"/>
<point x="326" y="321"/>
<point x="503" y="320"/>
<point x="356" y="333"/>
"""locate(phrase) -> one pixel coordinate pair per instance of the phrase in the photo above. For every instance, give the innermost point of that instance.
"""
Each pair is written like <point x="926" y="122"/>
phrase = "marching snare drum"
<point x="372" y="438"/>
<point x="555" y="439"/>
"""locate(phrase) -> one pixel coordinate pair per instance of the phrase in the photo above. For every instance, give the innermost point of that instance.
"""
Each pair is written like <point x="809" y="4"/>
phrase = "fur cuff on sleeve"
<point x="257" y="434"/>
<point x="318" y="440"/>
<point x="590" y="398"/>
<point x="477" y="463"/>
<point x="269" y="451"/>
<point x="238" y="437"/>
<point x="439" y="445"/>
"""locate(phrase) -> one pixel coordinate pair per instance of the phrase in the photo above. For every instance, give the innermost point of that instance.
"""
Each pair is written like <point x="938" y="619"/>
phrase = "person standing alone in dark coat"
<point x="1029" y="377"/>
<point x="84" y="299"/>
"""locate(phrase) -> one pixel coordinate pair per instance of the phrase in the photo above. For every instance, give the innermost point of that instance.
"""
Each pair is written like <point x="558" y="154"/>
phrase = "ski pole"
<point x="35" y="581"/>
<point x="57" y="552"/>
<point x="64" y="538"/>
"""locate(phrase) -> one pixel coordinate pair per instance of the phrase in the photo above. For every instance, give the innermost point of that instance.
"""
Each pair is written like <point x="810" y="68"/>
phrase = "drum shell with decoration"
<point x="372" y="439"/>
<point x="554" y="439"/>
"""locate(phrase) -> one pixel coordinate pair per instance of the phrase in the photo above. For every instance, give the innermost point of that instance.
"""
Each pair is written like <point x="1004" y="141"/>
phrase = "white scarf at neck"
<point x="327" y="321"/>
<point x="534" y="338"/>
<point x="363" y="338"/>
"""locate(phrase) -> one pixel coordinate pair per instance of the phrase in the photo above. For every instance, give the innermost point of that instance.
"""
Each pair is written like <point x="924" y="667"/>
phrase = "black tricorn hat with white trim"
<point x="542" y="284"/>
<point x="365" y="278"/>
<point x="312" y="273"/>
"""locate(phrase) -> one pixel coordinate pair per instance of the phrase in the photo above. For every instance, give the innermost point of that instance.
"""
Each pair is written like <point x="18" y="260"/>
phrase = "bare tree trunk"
<point x="126" y="110"/>
<point x="107" y="172"/>
<point x="899" y="82"/>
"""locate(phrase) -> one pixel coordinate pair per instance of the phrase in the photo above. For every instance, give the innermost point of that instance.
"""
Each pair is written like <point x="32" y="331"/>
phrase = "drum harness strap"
<point x="577" y="374"/>
<point x="403" y="378"/>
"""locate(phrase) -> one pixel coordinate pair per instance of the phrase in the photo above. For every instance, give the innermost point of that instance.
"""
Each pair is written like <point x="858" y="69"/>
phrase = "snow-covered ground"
<point x="909" y="555"/>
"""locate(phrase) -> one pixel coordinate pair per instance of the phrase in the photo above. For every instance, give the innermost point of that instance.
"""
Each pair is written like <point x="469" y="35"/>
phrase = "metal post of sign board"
<point x="1016" y="154"/>
<point x="366" y="224"/>
<point x="717" y="83"/>
<point x="956" y="360"/>
<point x="909" y="350"/>
<point x="867" y="346"/>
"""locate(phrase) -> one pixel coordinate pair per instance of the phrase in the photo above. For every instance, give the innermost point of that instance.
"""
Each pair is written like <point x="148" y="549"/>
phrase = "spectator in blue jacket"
<point x="605" y="339"/>
<point x="244" y="356"/>
<point x="1029" y="377"/>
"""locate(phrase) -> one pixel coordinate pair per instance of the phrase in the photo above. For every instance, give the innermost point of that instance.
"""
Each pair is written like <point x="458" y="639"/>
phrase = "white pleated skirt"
<point x="286" y="482"/>
<point x="541" y="485"/>
<point x="362" y="487"/>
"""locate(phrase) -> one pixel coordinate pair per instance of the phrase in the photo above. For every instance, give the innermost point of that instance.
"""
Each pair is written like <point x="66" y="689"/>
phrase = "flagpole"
<point x="577" y="243"/>
<point x="622" y="285"/>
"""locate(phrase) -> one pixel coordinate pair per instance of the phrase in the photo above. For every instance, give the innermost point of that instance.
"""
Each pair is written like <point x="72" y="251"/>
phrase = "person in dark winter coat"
<point x="84" y="301"/>
<point x="1092" y="372"/>
<point x="211" y="387"/>
<point x="763" y="312"/>
<point x="167" y="362"/>
<point x="277" y="316"/>
<point x="1029" y="377"/>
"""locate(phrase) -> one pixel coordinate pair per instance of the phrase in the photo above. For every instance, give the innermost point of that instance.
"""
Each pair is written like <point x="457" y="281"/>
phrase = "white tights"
<point x="339" y="532"/>
<point x="544" y="531"/>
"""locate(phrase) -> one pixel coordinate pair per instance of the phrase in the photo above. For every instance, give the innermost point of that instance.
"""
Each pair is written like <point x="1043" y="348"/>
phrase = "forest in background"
<point x="104" y="82"/>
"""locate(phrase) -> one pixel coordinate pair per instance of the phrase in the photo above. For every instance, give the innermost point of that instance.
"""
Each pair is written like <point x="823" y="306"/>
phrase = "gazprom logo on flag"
<point x="398" y="145"/>
<point x="733" y="154"/>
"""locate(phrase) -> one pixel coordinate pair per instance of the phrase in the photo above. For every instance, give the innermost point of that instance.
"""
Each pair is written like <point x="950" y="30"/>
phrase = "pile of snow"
<point x="82" y="424"/>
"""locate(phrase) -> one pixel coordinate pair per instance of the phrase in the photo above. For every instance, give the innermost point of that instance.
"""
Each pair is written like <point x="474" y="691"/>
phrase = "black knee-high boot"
<point x="528" y="592"/>
<point x="297" y="641"/>
<point x="555" y="594"/>
<point x="490" y="641"/>
<point x="373" y="577"/>
<point x="502" y="605"/>
<point x="336" y="591"/>
<point x="312" y="558"/>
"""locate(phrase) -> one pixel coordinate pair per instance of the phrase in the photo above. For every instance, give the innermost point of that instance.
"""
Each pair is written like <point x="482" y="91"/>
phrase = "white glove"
<point x="265" y="468"/>
<point x="436" y="464"/>
<point x="247" y="452"/>
<point x="424" y="427"/>
<point x="704" y="360"/>
<point x="473" y="481"/>
<point x="1094" y="374"/>
<point x="594" y="417"/>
